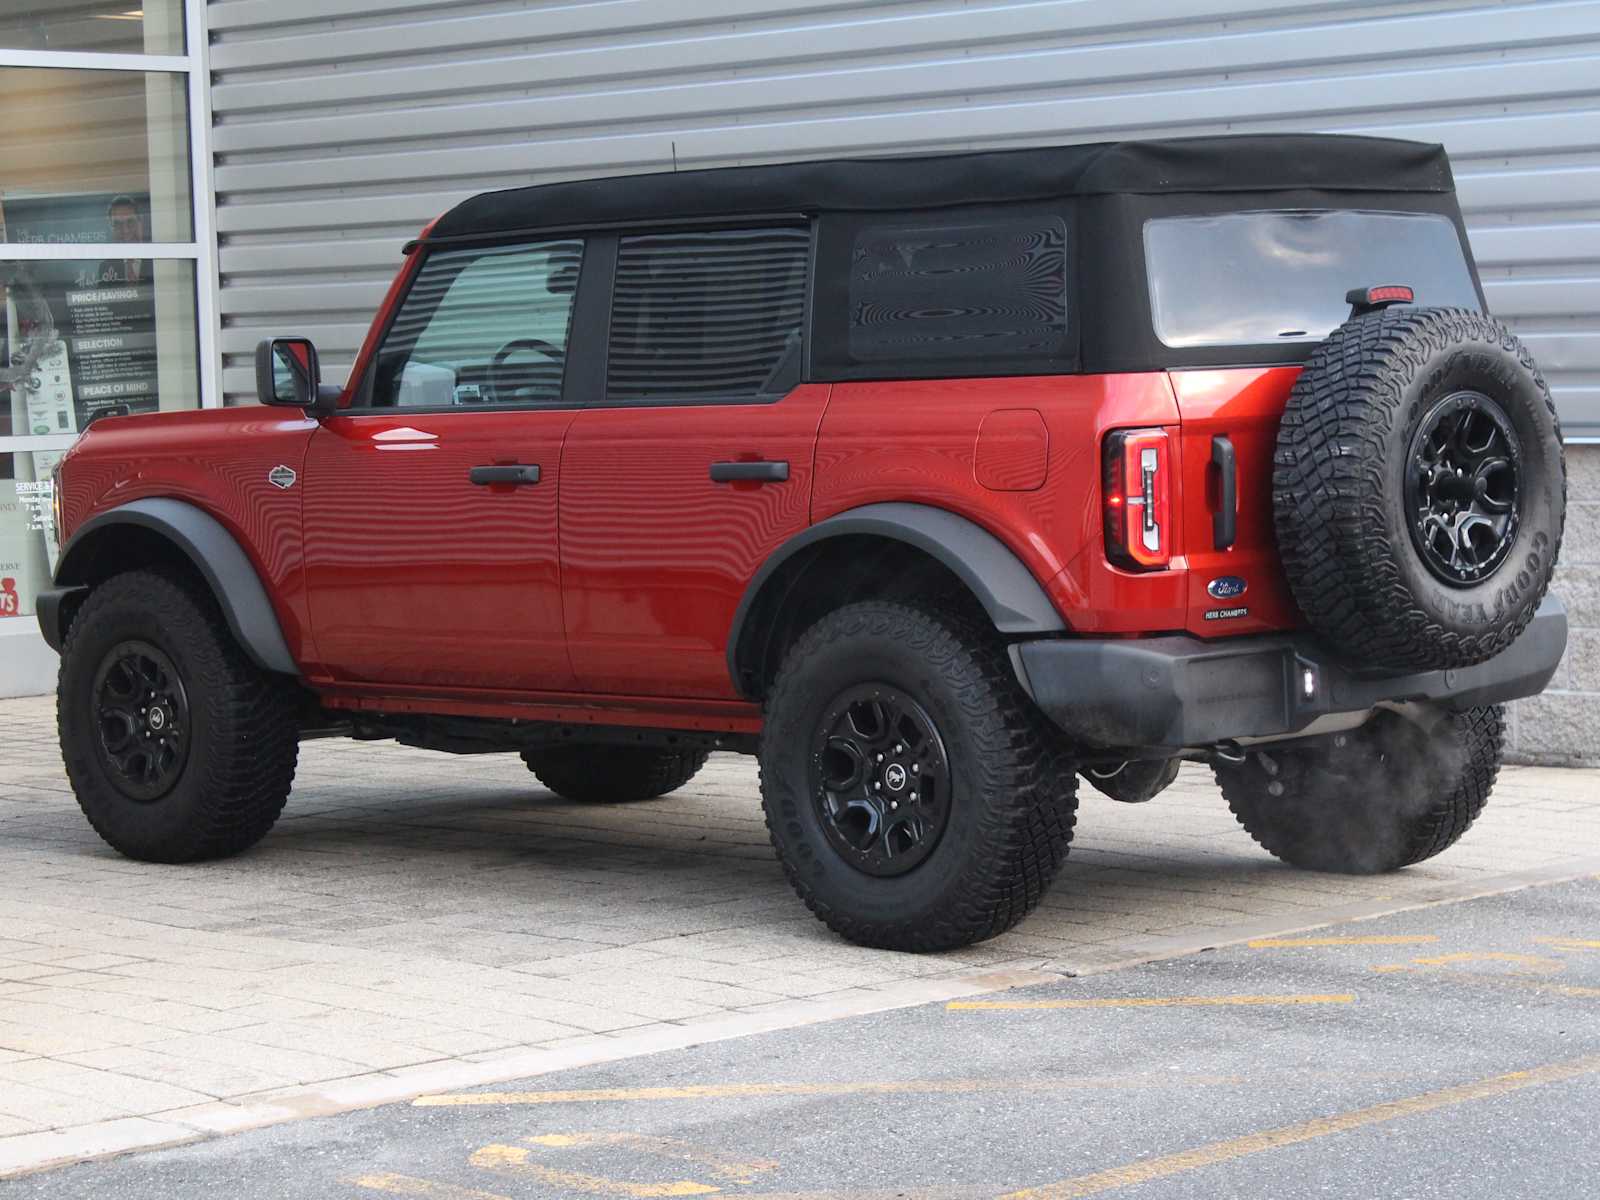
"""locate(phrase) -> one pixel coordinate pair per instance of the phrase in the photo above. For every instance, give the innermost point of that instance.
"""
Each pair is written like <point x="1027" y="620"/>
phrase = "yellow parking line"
<point x="1218" y="1152"/>
<point x="723" y="1166"/>
<point x="513" y="1160"/>
<point x="1407" y="939"/>
<point x="1148" y="1002"/>
<point x="1565" y="943"/>
<point x="406" y="1185"/>
<point x="1535" y="963"/>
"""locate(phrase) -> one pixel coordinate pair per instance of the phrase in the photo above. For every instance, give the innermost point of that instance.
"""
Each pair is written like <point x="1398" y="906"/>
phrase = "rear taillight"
<point x="1136" y="487"/>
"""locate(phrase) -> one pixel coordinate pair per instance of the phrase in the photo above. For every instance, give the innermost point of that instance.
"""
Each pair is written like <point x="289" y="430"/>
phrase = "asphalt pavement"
<point x="1451" y="1051"/>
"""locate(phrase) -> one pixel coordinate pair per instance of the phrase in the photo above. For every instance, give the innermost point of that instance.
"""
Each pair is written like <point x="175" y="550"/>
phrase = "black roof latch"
<point x="1371" y="299"/>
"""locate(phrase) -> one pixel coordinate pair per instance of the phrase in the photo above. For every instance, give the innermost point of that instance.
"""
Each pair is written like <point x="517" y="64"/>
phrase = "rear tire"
<point x="926" y="706"/>
<point x="1391" y="796"/>
<point x="178" y="746"/>
<point x="597" y="774"/>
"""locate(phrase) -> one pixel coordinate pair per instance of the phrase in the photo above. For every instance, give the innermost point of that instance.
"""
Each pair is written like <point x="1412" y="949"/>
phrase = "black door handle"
<point x="1224" y="522"/>
<point x="515" y="473"/>
<point x="762" y="472"/>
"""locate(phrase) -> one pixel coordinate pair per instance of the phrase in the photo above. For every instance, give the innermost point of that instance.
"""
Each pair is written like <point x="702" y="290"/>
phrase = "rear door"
<point x="430" y="504"/>
<point x="1230" y="429"/>
<point x="1241" y="286"/>
<point x="692" y="461"/>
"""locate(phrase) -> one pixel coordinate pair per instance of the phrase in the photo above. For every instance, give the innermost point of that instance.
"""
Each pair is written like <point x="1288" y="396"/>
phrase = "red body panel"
<point x="606" y="591"/>
<point x="414" y="574"/>
<point x="918" y="442"/>
<point x="656" y="557"/>
<point x="1244" y="404"/>
<point x="418" y="588"/>
<point x="217" y="460"/>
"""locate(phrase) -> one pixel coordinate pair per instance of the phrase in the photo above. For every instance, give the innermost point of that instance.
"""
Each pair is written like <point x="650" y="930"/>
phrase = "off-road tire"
<point x="244" y="734"/>
<point x="1013" y="794"/>
<point x="596" y="774"/>
<point x="1340" y="466"/>
<point x="1392" y="796"/>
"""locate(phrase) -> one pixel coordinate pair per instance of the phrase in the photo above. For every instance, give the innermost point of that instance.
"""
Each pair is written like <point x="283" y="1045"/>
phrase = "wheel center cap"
<point x="158" y="718"/>
<point x="894" y="777"/>
<point x="1457" y="486"/>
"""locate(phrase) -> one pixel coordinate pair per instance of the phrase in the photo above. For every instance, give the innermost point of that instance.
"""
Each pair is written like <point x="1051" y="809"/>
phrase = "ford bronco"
<point x="936" y="483"/>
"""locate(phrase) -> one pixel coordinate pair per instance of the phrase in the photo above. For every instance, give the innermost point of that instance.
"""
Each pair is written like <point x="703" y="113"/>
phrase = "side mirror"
<point x="287" y="374"/>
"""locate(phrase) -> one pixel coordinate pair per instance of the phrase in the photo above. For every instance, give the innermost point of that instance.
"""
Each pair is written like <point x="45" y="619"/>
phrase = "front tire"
<point x="920" y="704"/>
<point x="1392" y="795"/>
<point x="178" y="747"/>
<point x="598" y="774"/>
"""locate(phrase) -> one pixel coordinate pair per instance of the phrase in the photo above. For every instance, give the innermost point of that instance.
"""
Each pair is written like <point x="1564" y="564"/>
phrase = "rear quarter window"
<point x="994" y="290"/>
<point x="1251" y="278"/>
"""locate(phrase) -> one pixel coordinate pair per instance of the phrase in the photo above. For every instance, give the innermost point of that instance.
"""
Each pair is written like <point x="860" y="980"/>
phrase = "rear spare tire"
<point x="1419" y="489"/>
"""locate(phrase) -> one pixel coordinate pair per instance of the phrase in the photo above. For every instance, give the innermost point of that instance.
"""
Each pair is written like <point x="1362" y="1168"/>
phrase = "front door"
<point x="694" y="460"/>
<point x="430" y="502"/>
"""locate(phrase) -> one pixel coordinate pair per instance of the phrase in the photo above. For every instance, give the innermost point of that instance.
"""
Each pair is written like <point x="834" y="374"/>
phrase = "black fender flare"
<point x="1008" y="591"/>
<point x="215" y="553"/>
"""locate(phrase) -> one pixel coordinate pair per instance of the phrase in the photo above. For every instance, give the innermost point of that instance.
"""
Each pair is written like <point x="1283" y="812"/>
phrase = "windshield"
<point x="1281" y="276"/>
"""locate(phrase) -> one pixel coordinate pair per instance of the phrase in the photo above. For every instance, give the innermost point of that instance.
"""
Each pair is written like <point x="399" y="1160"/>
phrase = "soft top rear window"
<point x="1249" y="278"/>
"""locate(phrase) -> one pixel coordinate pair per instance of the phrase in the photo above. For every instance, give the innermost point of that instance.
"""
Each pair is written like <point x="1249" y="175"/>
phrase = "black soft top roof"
<point x="1238" y="163"/>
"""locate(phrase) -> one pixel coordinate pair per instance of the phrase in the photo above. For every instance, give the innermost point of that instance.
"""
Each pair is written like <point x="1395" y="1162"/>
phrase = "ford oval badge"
<point x="1226" y="587"/>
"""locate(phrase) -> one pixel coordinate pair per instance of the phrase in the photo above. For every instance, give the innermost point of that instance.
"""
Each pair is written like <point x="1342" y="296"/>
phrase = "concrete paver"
<point x="416" y="913"/>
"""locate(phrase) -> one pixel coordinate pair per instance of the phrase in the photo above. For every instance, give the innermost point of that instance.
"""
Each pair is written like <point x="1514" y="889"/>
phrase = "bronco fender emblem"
<point x="1226" y="587"/>
<point x="282" y="477"/>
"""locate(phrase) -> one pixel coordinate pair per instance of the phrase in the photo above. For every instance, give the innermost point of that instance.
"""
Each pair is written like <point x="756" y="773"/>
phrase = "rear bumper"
<point x="1177" y="692"/>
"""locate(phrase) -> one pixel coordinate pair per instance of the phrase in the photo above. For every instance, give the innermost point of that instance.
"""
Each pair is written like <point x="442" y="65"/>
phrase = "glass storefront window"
<point x="28" y="546"/>
<point x="96" y="26"/>
<point x="80" y="339"/>
<point x="101" y="253"/>
<point x="94" y="156"/>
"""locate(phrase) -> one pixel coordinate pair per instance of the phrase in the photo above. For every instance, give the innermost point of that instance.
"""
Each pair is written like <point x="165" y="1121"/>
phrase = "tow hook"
<point x="1228" y="752"/>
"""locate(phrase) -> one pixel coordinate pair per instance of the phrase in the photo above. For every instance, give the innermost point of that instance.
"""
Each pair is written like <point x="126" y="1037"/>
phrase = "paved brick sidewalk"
<point x="412" y="911"/>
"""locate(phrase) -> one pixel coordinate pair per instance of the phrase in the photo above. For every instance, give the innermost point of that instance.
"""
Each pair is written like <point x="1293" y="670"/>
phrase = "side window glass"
<point x="979" y="291"/>
<point x="486" y="326"/>
<point x="708" y="316"/>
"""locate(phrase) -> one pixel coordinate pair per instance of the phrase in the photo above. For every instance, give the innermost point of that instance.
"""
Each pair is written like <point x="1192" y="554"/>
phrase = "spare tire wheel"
<point x="1419" y="489"/>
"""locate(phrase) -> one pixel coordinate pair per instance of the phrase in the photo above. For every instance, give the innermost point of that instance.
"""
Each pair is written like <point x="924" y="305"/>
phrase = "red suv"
<point x="933" y="482"/>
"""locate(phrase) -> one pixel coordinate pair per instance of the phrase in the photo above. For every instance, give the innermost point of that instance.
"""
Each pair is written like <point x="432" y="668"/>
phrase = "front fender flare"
<point x="215" y="553"/>
<point x="1009" y="593"/>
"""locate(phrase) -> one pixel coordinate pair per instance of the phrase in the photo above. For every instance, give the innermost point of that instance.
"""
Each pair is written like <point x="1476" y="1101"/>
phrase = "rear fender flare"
<point x="1015" y="601"/>
<point x="215" y="553"/>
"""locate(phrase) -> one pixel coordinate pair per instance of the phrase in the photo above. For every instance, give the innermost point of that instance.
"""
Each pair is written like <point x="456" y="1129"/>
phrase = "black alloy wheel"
<point x="1463" y="488"/>
<point x="880" y="701"/>
<point x="179" y="747"/>
<point x="142" y="711"/>
<point x="880" y="779"/>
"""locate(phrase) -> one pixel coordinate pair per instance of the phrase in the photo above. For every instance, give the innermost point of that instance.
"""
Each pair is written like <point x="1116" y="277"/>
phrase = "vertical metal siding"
<point x="344" y="125"/>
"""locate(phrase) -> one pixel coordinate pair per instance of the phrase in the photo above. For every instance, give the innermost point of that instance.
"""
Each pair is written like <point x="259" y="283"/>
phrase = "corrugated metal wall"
<point x="343" y="125"/>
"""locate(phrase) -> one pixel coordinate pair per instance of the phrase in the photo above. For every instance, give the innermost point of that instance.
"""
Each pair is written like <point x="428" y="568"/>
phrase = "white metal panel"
<point x="343" y="125"/>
